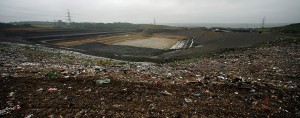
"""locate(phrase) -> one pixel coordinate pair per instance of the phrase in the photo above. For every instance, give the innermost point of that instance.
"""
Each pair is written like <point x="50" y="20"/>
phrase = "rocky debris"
<point x="45" y="82"/>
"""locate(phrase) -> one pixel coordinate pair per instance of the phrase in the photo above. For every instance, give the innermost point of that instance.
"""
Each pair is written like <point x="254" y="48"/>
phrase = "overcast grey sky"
<point x="143" y="11"/>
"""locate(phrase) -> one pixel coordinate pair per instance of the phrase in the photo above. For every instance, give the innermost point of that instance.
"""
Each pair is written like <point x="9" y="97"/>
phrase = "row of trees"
<point x="75" y="25"/>
<point x="7" y="25"/>
<point x="110" y="26"/>
<point x="293" y="28"/>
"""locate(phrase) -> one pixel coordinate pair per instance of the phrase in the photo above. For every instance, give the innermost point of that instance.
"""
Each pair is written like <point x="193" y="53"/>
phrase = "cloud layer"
<point x="143" y="11"/>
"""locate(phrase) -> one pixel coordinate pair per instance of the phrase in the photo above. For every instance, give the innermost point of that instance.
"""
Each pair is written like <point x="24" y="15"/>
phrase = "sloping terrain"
<point x="262" y="81"/>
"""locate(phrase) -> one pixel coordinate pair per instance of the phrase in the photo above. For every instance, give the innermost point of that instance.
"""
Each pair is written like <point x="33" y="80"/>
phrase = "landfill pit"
<point x="163" y="42"/>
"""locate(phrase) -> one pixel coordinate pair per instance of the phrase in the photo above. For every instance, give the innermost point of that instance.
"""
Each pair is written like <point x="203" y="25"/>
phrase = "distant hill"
<point x="85" y="25"/>
<point x="9" y="25"/>
<point x="292" y="28"/>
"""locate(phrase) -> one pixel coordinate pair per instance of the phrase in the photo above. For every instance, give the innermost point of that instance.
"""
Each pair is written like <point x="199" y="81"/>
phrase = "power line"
<point x="17" y="13"/>
<point x="263" y="23"/>
<point x="69" y="18"/>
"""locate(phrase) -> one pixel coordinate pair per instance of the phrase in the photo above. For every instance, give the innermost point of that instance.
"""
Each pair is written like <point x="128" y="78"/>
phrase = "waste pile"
<point x="261" y="81"/>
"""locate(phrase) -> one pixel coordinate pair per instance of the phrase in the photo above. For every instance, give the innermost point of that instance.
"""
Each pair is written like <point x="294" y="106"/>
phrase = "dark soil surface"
<point x="207" y="42"/>
<point x="82" y="97"/>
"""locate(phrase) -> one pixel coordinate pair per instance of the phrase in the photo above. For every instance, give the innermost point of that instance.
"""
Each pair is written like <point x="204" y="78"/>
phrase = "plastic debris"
<point x="188" y="100"/>
<point x="5" y="111"/>
<point x="183" y="104"/>
<point x="103" y="81"/>
<point x="166" y="92"/>
<point x="52" y="89"/>
<point x="11" y="94"/>
<point x="88" y="90"/>
<point x="80" y="113"/>
<point x="16" y="107"/>
<point x="65" y="98"/>
<point x="28" y="116"/>
<point x="152" y="106"/>
<point x="4" y="74"/>
<point x="266" y="100"/>
<point x="220" y="77"/>
<point x="40" y="89"/>
<point x="66" y="76"/>
<point x="265" y="108"/>
<point x="52" y="74"/>
<point x="197" y="94"/>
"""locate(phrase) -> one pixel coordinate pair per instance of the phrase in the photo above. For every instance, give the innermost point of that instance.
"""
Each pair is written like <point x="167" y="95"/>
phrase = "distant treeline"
<point x="110" y="26"/>
<point x="293" y="28"/>
<point x="10" y="25"/>
<point x="75" y="25"/>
